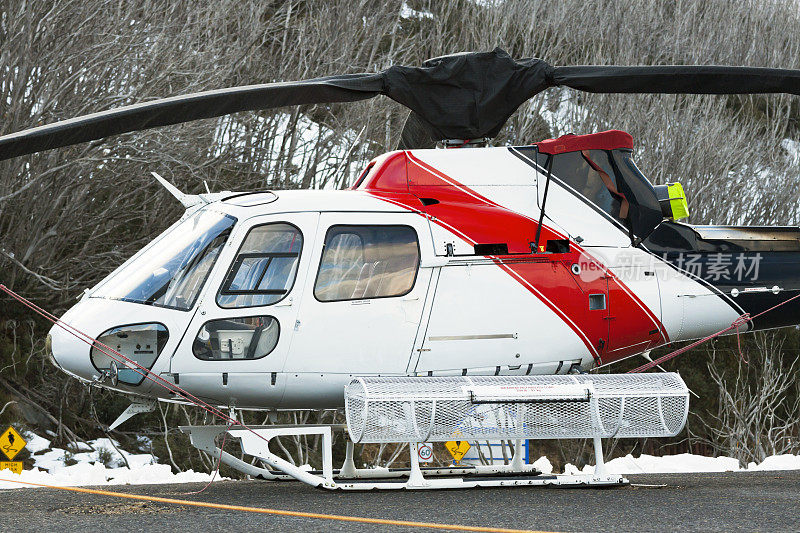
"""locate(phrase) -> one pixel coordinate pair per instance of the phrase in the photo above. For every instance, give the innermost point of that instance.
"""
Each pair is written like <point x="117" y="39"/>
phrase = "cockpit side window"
<point x="363" y="262"/>
<point x="610" y="180"/>
<point x="590" y="173"/>
<point x="645" y="210"/>
<point x="265" y="268"/>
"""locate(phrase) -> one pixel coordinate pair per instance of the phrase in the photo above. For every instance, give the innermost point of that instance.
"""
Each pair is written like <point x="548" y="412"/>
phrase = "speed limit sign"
<point x="425" y="452"/>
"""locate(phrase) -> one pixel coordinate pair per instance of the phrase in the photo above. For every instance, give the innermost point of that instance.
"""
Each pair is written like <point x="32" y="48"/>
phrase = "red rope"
<point x="739" y="322"/>
<point x="736" y="324"/>
<point x="118" y="357"/>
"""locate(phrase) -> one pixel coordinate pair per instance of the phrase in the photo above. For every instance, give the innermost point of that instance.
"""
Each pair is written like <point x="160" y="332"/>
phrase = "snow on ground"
<point x="96" y="463"/>
<point x="543" y="465"/>
<point x="83" y="474"/>
<point x="777" y="462"/>
<point x="792" y="148"/>
<point x="686" y="463"/>
<point x="407" y="13"/>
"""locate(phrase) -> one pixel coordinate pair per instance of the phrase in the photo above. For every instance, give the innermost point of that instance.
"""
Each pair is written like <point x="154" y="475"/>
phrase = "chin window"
<point x="141" y="343"/>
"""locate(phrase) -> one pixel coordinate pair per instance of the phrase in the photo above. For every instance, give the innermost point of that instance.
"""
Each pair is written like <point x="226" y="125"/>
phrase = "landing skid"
<point x="348" y="477"/>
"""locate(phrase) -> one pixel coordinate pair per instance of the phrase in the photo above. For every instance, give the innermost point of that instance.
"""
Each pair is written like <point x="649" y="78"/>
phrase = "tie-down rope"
<point x="129" y="363"/>
<point x="736" y="324"/>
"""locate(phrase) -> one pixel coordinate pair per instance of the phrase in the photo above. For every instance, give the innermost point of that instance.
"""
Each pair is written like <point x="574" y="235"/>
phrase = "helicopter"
<point x="552" y="258"/>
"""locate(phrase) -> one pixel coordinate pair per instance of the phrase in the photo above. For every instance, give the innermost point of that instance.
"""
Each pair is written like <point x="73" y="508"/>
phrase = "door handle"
<point x="286" y="303"/>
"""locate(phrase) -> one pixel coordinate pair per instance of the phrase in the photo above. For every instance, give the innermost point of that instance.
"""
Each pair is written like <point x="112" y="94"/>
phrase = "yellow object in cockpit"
<point x="672" y="199"/>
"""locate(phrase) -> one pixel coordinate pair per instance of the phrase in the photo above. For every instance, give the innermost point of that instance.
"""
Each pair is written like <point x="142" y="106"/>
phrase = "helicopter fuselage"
<point x="433" y="264"/>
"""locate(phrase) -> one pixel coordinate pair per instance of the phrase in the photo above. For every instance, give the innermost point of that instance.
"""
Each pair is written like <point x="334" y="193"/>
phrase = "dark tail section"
<point x="757" y="267"/>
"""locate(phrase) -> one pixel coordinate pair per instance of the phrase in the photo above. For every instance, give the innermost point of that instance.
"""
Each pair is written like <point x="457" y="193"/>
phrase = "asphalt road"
<point x="763" y="501"/>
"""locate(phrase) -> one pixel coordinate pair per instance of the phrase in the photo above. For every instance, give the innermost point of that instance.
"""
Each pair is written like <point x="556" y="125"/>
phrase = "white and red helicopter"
<point x="546" y="259"/>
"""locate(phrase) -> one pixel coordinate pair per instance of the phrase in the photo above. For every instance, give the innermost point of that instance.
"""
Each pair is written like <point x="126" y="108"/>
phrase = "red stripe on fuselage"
<point x="477" y="219"/>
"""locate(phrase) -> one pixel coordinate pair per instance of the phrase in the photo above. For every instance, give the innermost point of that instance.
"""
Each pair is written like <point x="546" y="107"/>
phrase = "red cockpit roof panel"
<point x="604" y="140"/>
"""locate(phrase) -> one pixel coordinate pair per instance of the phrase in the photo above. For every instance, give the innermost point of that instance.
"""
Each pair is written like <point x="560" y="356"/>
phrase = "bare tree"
<point x="759" y="408"/>
<point x="69" y="216"/>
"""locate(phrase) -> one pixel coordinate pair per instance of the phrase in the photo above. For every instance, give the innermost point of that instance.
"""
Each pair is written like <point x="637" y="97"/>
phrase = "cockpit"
<point x="213" y="301"/>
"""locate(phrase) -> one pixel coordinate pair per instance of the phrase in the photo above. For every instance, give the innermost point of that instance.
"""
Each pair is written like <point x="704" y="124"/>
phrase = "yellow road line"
<point x="301" y="514"/>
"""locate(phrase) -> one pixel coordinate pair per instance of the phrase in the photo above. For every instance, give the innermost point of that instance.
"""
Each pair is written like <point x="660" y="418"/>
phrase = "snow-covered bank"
<point x="104" y="466"/>
<point x="687" y="463"/>
<point x="84" y="474"/>
<point x="95" y="463"/>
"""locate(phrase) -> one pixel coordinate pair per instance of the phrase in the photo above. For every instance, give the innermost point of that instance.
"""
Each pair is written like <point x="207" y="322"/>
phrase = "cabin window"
<point x="236" y="338"/>
<point x="362" y="262"/>
<point x="265" y="268"/>
<point x="625" y="185"/>
<point x="580" y="171"/>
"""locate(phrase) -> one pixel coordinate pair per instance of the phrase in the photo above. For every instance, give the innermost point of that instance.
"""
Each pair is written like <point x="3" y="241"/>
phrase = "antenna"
<point x="188" y="200"/>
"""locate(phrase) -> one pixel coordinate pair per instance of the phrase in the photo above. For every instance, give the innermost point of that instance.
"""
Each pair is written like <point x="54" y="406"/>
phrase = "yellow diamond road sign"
<point x="11" y="443"/>
<point x="457" y="449"/>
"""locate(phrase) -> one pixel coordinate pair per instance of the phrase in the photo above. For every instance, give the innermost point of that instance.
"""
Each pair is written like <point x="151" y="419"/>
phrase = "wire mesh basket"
<point x="421" y="409"/>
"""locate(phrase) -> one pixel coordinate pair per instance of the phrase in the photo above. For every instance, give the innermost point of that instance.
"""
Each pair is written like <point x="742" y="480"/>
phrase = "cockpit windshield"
<point x="172" y="271"/>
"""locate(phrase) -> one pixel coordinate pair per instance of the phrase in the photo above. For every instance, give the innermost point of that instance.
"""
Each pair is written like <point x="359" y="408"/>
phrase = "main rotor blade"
<point x="461" y="96"/>
<point x="678" y="79"/>
<point x="178" y="109"/>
